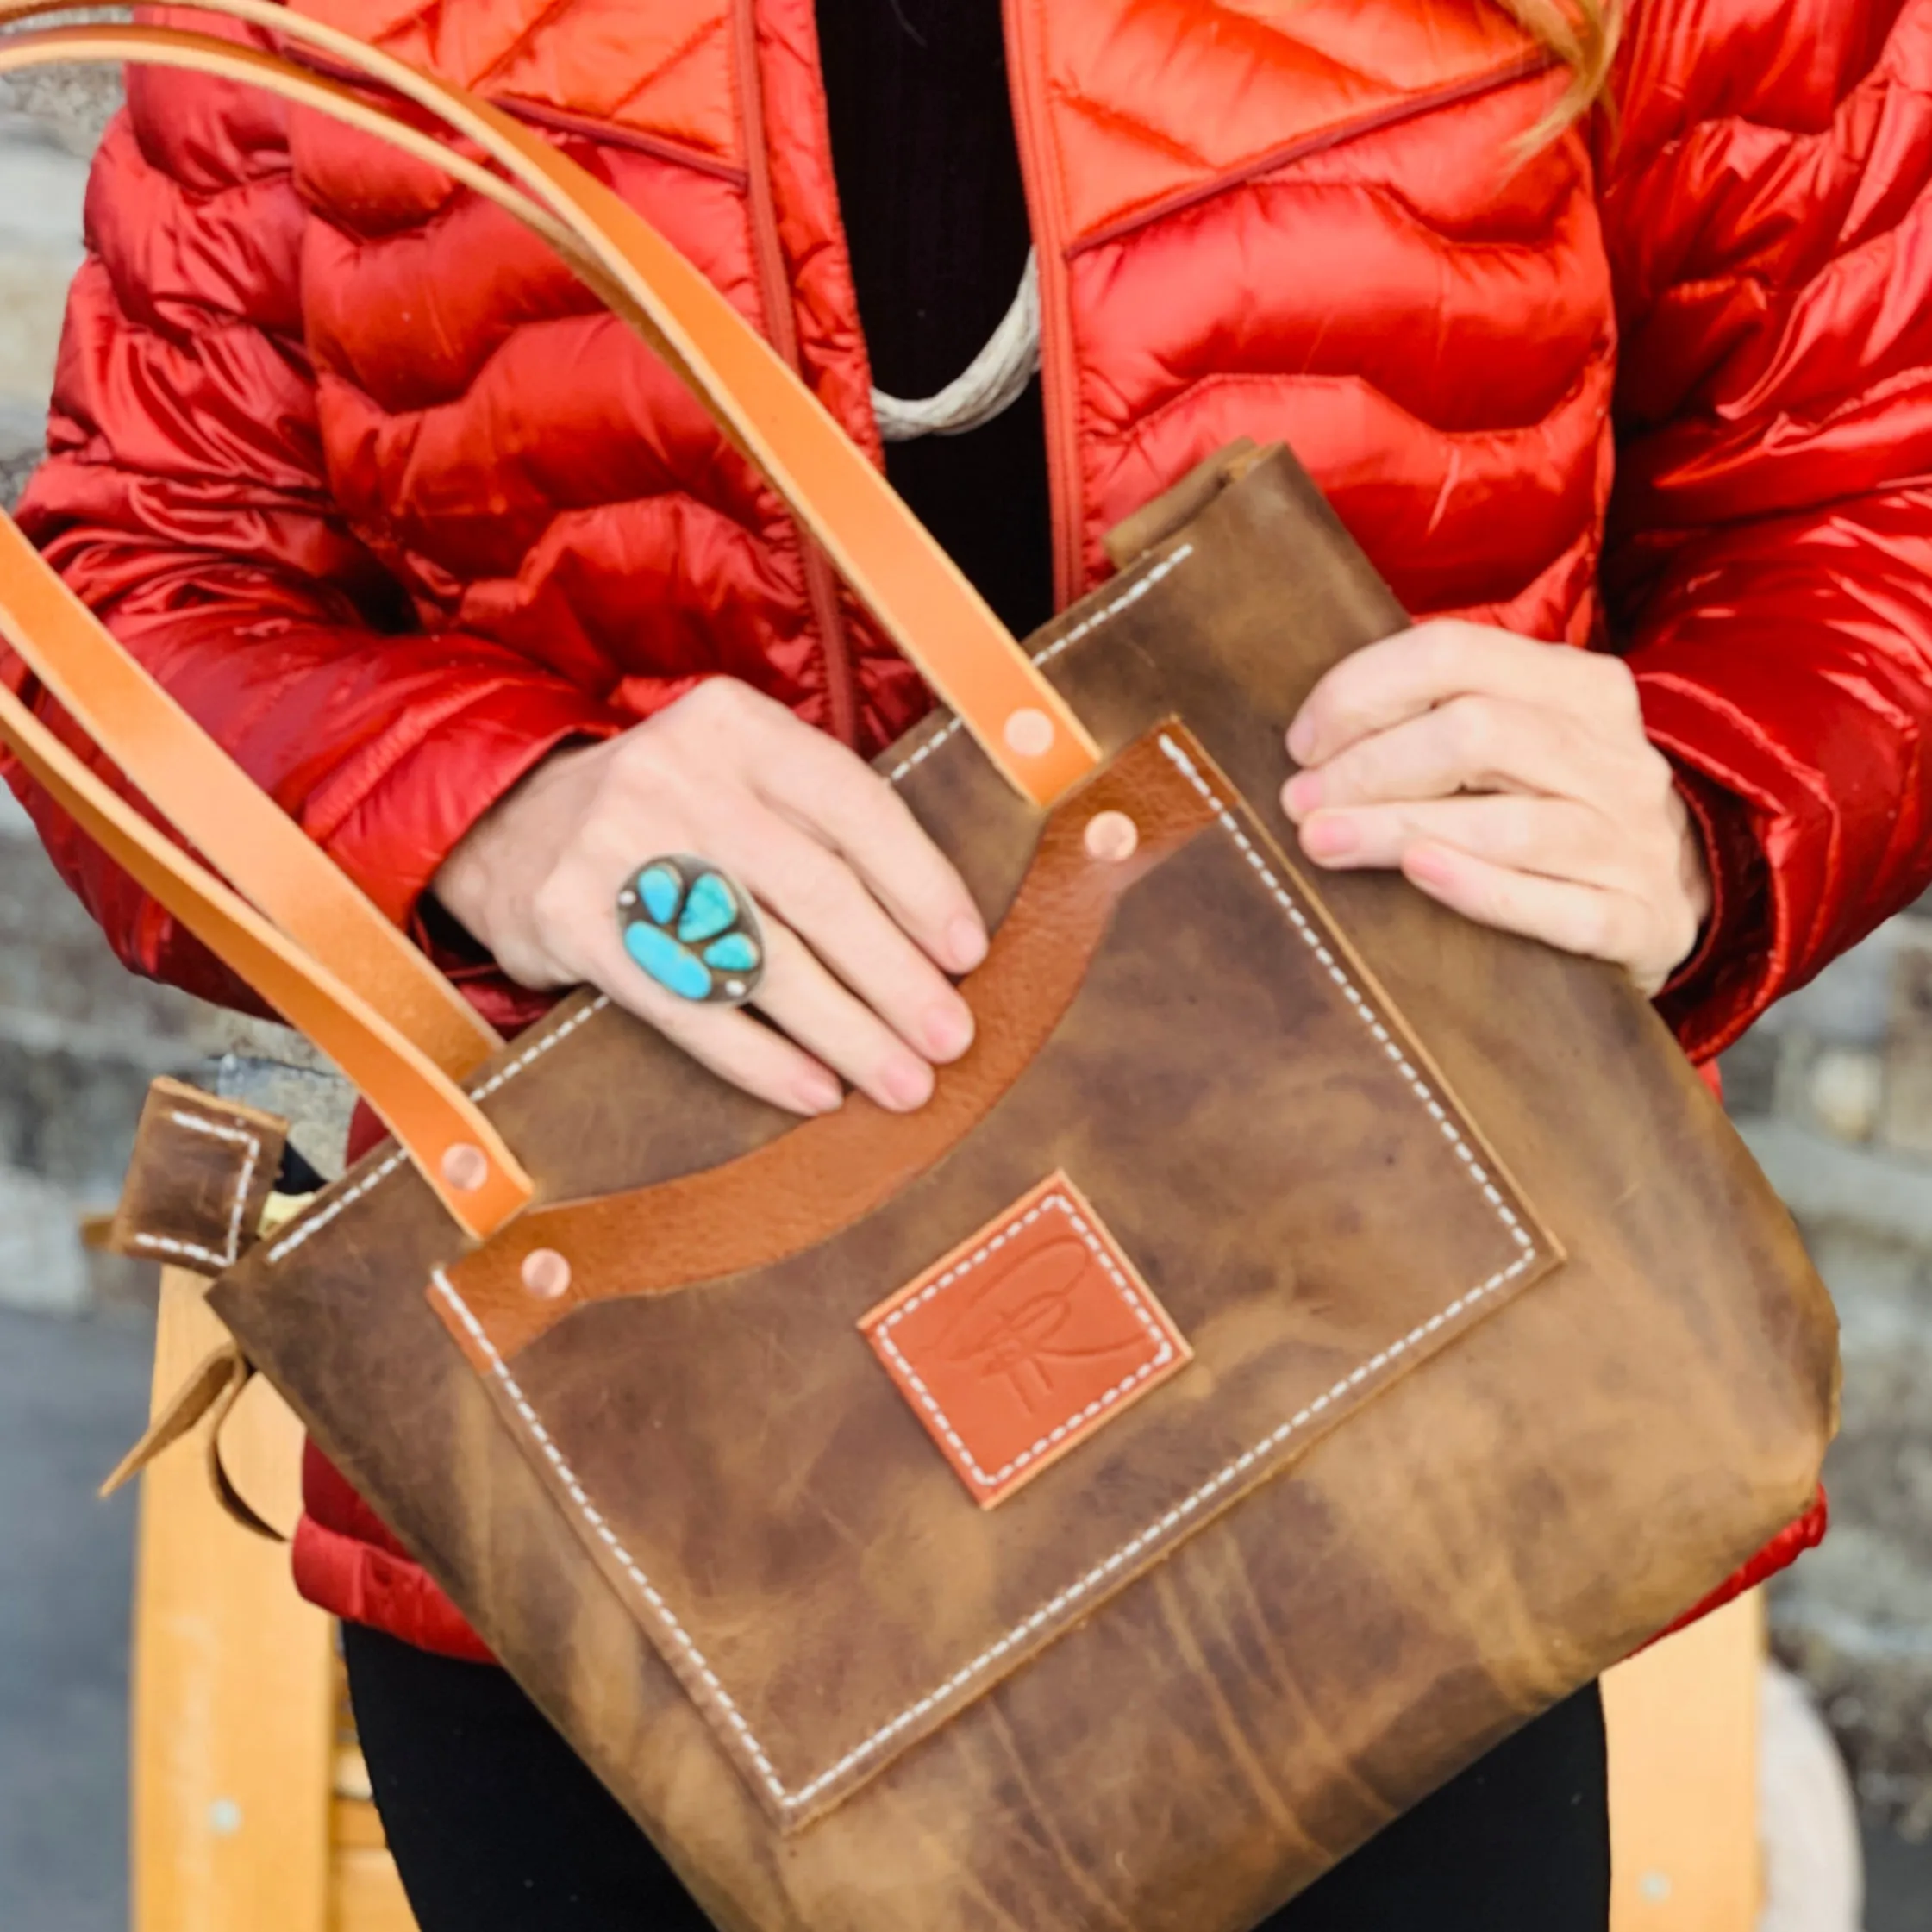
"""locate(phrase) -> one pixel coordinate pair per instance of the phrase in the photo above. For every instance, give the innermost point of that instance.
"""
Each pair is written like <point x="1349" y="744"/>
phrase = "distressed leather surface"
<point x="813" y="1183"/>
<point x="1478" y="1536"/>
<point x="1291" y="1186"/>
<point x="199" y="1172"/>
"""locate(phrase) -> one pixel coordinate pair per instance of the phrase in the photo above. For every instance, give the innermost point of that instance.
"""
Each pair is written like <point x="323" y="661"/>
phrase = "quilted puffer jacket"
<point x="372" y="485"/>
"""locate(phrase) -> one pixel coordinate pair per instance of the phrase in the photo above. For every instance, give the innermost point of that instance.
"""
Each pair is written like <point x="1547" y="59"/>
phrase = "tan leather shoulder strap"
<point x="930" y="611"/>
<point x="432" y="1117"/>
<point x="350" y="981"/>
<point x="193" y="783"/>
<point x="217" y="806"/>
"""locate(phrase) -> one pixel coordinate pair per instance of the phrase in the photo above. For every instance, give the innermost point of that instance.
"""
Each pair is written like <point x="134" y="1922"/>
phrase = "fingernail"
<point x="948" y="1031"/>
<point x="1303" y="795"/>
<point x="819" y="1093"/>
<point x="965" y="943"/>
<point x="1330" y="836"/>
<point x="1301" y="740"/>
<point x="907" y="1082"/>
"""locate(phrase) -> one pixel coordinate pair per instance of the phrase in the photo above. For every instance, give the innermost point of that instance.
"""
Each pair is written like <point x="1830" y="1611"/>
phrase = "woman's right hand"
<point x="863" y="916"/>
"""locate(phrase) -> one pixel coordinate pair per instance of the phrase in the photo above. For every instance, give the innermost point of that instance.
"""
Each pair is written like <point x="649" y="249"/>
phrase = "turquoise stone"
<point x="673" y="967"/>
<point x="710" y="908"/>
<point x="661" y="888"/>
<point x="735" y="953"/>
<point x="691" y="929"/>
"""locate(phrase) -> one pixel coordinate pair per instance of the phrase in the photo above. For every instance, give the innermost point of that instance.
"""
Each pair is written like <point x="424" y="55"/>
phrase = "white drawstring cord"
<point x="991" y="384"/>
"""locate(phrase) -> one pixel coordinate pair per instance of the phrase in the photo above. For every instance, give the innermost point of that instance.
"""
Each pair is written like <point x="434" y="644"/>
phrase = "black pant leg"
<point x="497" y="1826"/>
<point x="494" y="1822"/>
<point x="1518" y="1843"/>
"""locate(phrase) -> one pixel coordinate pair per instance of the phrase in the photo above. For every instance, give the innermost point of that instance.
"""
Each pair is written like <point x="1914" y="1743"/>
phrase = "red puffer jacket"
<point x="372" y="485"/>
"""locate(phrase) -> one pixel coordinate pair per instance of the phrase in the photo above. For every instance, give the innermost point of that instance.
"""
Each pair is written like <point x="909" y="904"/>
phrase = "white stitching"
<point x="302" y="1230"/>
<point x="314" y="1223"/>
<point x="1132" y="594"/>
<point x="166" y="1244"/>
<point x="1164" y="1349"/>
<point x="1190" y="1505"/>
<point x="536" y="1053"/>
<point x="243" y="1137"/>
<point x="1082" y="1587"/>
<point x="310" y="1224"/>
<point x="1186" y="767"/>
<point x="662" y="1609"/>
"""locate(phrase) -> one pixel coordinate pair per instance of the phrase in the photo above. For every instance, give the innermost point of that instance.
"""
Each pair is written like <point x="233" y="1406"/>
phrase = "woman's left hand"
<point x="1510" y="780"/>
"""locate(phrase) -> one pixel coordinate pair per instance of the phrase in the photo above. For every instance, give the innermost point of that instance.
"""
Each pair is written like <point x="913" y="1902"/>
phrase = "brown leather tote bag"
<point x="1307" y="1336"/>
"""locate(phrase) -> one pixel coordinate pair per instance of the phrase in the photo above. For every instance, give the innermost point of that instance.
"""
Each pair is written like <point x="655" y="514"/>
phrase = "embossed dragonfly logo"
<point x="1030" y="1320"/>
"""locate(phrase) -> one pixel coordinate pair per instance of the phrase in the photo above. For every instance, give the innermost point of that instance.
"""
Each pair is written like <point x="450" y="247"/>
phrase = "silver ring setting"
<point x="693" y="929"/>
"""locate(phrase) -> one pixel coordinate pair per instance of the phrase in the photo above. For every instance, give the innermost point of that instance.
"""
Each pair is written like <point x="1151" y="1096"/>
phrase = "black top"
<point x="930" y="187"/>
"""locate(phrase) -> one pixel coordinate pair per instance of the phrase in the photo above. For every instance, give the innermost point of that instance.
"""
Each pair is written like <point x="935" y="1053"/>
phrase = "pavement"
<point x="74" y="1394"/>
<point x="1897" y="1883"/>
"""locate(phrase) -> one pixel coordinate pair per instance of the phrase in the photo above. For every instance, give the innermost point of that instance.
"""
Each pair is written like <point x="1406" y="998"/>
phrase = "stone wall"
<point x="50" y="122"/>
<point x="79" y="1041"/>
<point x="80" y="1038"/>
<point x="1834" y="1092"/>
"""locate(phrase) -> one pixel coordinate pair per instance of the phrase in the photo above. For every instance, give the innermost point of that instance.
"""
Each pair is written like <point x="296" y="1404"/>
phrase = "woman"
<point x="455" y="569"/>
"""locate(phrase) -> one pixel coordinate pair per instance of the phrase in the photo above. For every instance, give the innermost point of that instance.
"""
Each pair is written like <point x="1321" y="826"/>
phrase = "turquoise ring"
<point x="693" y="930"/>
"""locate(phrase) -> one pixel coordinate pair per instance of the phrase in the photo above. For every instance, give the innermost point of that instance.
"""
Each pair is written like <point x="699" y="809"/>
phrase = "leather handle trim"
<point x="825" y="1175"/>
<point x="138" y="724"/>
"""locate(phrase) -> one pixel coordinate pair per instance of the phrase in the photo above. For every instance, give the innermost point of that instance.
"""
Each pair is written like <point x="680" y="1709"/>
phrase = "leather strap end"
<point x="236" y="1506"/>
<point x="215" y="1382"/>
<point x="208" y="1396"/>
<point x="200" y="1174"/>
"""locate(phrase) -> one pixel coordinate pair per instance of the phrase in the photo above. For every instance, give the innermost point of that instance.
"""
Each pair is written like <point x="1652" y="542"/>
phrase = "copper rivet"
<point x="1029" y="733"/>
<point x="465" y="1167"/>
<point x="1111" y="837"/>
<point x="546" y="1274"/>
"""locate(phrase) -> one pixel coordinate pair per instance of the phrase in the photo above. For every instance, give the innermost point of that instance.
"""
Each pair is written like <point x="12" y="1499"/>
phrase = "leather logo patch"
<point x="1024" y="1341"/>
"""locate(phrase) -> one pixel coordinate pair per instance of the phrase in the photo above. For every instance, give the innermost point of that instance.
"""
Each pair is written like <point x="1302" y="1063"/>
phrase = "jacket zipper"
<point x="774" y="288"/>
<point x="1025" y="68"/>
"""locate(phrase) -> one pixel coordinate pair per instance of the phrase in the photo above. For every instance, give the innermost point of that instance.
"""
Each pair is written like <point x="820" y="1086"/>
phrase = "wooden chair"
<point x="1683" y="1720"/>
<point x="251" y="1804"/>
